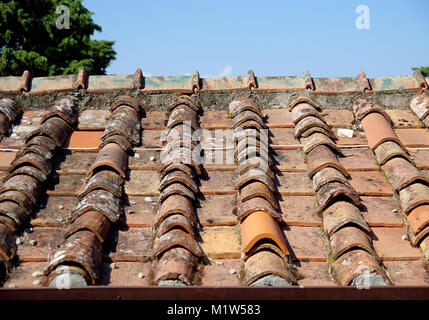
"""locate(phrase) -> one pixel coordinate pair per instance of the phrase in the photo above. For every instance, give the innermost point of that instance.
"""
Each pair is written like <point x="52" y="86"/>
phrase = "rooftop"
<point x="343" y="201"/>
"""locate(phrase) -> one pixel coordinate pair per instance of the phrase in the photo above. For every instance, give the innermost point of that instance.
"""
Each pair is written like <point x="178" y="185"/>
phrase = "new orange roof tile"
<point x="84" y="140"/>
<point x="260" y="226"/>
<point x="378" y="130"/>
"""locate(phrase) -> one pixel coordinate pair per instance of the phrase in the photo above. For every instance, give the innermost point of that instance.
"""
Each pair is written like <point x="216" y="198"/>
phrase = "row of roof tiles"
<point x="317" y="142"/>
<point x="193" y="83"/>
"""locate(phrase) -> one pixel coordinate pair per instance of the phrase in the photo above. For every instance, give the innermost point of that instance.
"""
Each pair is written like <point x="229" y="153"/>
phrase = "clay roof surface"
<point x="94" y="184"/>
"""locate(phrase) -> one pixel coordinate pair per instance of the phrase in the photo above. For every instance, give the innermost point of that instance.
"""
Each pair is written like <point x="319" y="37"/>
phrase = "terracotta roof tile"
<point x="356" y="263"/>
<point x="219" y="273"/>
<point x="212" y="217"/>
<point x="402" y="119"/>
<point x="420" y="106"/>
<point x="413" y="137"/>
<point x="390" y="245"/>
<point x="381" y="211"/>
<point x="221" y="242"/>
<point x="406" y="272"/>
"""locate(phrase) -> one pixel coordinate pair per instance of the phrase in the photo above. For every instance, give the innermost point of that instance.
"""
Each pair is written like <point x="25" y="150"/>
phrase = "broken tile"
<point x="418" y="218"/>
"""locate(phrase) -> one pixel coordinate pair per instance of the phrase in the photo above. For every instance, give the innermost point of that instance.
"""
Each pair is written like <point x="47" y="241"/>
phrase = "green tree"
<point x="30" y="39"/>
<point x="423" y="70"/>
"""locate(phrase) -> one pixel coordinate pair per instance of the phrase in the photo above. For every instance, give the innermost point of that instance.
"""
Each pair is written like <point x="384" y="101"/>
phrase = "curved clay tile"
<point x="175" y="243"/>
<point x="388" y="150"/>
<point x="343" y="223"/>
<point x="100" y="200"/>
<point x="340" y="214"/>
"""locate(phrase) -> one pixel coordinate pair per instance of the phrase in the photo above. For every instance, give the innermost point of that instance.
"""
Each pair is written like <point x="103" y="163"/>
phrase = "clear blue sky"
<point x="271" y="37"/>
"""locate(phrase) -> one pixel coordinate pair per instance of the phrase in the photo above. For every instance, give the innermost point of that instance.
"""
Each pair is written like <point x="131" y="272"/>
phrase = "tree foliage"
<point x="423" y="70"/>
<point x="30" y="39"/>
